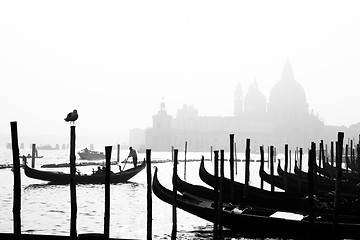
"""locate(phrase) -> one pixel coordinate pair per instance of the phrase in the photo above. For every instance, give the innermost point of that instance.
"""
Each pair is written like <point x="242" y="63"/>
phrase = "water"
<point x="45" y="209"/>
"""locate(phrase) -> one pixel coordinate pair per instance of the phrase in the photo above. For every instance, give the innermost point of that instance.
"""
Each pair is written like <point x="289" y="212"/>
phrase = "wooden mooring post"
<point x="185" y="161"/>
<point x="262" y="165"/>
<point x="339" y="149"/>
<point x="352" y="163"/>
<point x="320" y="154"/>
<point x="17" y="179"/>
<point x="108" y="150"/>
<point x="332" y="153"/>
<point x="231" y="160"/>
<point x="286" y="167"/>
<point x="33" y="155"/>
<point x="118" y="154"/>
<point x="174" y="182"/>
<point x="247" y="168"/>
<point x="347" y="157"/>
<point x="72" y="184"/>
<point x="221" y="189"/>
<point x="272" y="168"/>
<point x="216" y="193"/>
<point x="149" y="194"/>
<point x="300" y="167"/>
<point x="315" y="178"/>
<point x="310" y="176"/>
<point x="290" y="167"/>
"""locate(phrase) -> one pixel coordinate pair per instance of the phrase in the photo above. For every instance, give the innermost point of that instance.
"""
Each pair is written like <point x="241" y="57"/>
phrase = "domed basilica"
<point x="283" y="119"/>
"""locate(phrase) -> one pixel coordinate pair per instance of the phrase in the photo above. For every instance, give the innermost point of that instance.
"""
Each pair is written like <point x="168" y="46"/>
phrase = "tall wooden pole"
<point x="300" y="167"/>
<point x="262" y="165"/>
<point x="72" y="184"/>
<point x="108" y="150"/>
<point x="286" y="167"/>
<point x="332" y="153"/>
<point x="247" y="168"/>
<point x="232" y="168"/>
<point x="272" y="168"/>
<point x="347" y="157"/>
<point x="174" y="182"/>
<point x="315" y="178"/>
<point x="118" y="154"/>
<point x="149" y="194"/>
<point x="356" y="157"/>
<point x="216" y="193"/>
<point x="221" y="192"/>
<point x="33" y="148"/>
<point x="310" y="176"/>
<point x="185" y="161"/>
<point x="320" y="156"/>
<point x="17" y="179"/>
<point x="290" y="167"/>
<point x="338" y="175"/>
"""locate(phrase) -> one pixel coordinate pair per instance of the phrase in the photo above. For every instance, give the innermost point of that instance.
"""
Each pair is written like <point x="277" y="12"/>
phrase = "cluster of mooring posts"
<point x="352" y="167"/>
<point x="313" y="176"/>
<point x="73" y="229"/>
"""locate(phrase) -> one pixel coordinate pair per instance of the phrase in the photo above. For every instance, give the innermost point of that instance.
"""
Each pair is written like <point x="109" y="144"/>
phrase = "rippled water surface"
<point x="45" y="209"/>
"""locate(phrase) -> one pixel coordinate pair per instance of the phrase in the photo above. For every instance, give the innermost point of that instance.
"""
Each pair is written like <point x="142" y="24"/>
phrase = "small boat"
<point x="78" y="164"/>
<point x="5" y="165"/>
<point x="260" y="222"/>
<point x="87" y="154"/>
<point x="95" y="178"/>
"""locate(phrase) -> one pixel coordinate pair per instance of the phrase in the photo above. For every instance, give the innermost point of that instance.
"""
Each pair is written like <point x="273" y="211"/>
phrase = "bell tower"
<point x="162" y="120"/>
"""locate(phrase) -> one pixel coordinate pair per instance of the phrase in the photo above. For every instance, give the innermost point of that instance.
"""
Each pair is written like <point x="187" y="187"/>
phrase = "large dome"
<point x="255" y="101"/>
<point x="287" y="94"/>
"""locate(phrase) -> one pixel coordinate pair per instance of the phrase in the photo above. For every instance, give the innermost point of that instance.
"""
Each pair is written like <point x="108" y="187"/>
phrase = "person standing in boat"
<point x="133" y="154"/>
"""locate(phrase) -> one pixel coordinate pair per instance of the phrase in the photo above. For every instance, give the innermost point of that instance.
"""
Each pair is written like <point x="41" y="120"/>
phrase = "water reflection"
<point x="40" y="186"/>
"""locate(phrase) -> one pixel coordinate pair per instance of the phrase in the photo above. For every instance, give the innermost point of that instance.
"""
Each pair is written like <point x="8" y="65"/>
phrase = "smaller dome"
<point x="255" y="101"/>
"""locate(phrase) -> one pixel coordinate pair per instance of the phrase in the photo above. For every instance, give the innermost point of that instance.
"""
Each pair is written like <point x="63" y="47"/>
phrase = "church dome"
<point x="287" y="94"/>
<point x="255" y="101"/>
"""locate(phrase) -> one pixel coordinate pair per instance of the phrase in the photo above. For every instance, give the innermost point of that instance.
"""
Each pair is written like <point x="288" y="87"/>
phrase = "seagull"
<point x="71" y="117"/>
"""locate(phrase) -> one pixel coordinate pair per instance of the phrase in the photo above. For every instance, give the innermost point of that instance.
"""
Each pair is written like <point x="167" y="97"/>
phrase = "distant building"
<point x="284" y="119"/>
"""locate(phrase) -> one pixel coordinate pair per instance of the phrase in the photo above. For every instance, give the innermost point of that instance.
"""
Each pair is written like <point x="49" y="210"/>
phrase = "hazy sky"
<point x="113" y="61"/>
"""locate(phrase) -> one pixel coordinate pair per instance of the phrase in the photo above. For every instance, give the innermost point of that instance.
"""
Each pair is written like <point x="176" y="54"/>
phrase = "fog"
<point x="114" y="61"/>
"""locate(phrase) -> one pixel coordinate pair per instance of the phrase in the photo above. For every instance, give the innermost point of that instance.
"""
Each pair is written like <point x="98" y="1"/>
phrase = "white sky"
<point x="113" y="61"/>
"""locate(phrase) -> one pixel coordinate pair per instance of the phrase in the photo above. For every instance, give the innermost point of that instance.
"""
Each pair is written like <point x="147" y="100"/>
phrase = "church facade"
<point x="283" y="119"/>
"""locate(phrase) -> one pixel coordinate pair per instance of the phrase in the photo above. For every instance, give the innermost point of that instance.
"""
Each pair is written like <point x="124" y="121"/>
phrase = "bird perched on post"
<point x="71" y="117"/>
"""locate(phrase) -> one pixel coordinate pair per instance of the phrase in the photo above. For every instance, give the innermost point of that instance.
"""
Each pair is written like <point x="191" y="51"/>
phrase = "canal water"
<point x="45" y="209"/>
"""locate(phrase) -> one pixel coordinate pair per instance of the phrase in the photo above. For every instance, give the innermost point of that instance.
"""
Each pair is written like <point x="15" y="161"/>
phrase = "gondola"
<point x="299" y="204"/>
<point x="322" y="184"/>
<point x="209" y="179"/>
<point x="95" y="178"/>
<point x="286" y="201"/>
<point x="268" y="222"/>
<point x="331" y="171"/>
